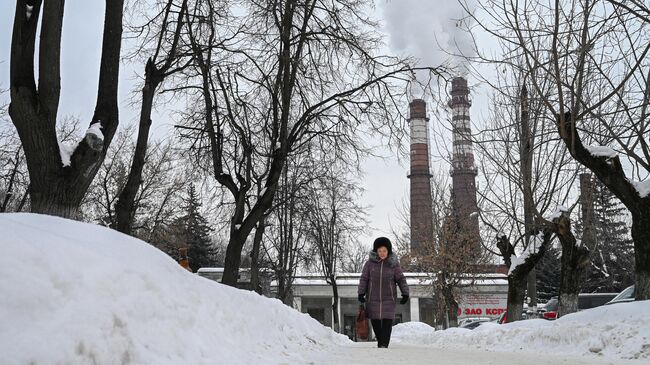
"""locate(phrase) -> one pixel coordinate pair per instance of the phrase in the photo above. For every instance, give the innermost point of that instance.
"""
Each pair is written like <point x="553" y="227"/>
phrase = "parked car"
<point x="468" y="320"/>
<point x="585" y="301"/>
<point x="549" y="311"/>
<point x="473" y="324"/>
<point x="593" y="300"/>
<point x="627" y="295"/>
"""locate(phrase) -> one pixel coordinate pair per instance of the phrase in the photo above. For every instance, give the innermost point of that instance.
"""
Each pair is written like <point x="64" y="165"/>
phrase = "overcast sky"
<point x="425" y="29"/>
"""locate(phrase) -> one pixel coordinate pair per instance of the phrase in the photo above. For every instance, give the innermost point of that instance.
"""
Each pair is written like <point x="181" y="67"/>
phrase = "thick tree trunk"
<point x="233" y="260"/>
<point x="610" y="172"/>
<point x="574" y="263"/>
<point x="125" y="208"/>
<point x="516" y="293"/>
<point x="571" y="277"/>
<point x="518" y="276"/>
<point x="641" y="237"/>
<point x="56" y="189"/>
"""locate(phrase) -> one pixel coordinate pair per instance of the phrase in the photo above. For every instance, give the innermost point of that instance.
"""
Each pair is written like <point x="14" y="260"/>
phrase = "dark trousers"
<point x="382" y="329"/>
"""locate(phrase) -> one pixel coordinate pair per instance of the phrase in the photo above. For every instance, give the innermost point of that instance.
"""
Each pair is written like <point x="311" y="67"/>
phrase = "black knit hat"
<point x="382" y="241"/>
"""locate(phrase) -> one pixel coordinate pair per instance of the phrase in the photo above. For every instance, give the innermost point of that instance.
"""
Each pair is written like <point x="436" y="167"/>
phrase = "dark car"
<point x="474" y="324"/>
<point x="593" y="300"/>
<point x="627" y="295"/>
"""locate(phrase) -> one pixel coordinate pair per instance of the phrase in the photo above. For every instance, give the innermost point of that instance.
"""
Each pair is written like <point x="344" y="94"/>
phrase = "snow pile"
<point x="601" y="151"/>
<point x="619" y="331"/>
<point x="403" y="332"/>
<point x="76" y="293"/>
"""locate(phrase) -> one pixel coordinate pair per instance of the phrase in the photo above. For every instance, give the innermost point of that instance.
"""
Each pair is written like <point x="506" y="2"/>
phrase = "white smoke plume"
<point x="434" y="32"/>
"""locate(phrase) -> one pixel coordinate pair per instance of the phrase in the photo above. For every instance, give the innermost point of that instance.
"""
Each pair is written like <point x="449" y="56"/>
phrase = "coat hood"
<point x="392" y="258"/>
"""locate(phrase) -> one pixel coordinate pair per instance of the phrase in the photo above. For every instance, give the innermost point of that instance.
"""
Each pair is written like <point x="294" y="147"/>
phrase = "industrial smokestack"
<point x="463" y="171"/>
<point x="420" y="177"/>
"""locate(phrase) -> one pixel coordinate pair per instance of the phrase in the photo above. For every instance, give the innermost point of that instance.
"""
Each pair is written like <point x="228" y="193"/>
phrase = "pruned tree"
<point x="527" y="174"/>
<point x="594" y="54"/>
<point x="59" y="177"/>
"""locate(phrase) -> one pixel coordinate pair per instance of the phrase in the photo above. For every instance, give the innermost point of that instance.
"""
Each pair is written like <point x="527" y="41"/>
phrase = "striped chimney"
<point x="420" y="178"/>
<point x="463" y="171"/>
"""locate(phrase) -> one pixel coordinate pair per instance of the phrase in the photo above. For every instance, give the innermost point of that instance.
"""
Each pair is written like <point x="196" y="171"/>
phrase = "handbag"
<point x="362" y="324"/>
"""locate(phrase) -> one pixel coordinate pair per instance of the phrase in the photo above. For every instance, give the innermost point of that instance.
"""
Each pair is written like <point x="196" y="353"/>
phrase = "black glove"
<point x="405" y="298"/>
<point x="362" y="298"/>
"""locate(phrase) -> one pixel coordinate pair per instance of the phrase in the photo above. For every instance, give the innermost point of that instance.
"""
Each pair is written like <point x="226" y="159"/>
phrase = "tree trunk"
<point x="516" y="294"/>
<point x="335" y="304"/>
<point x="610" y="172"/>
<point x="641" y="237"/>
<point x="56" y="189"/>
<point x="531" y="288"/>
<point x="452" y="307"/>
<point x="518" y="276"/>
<point x="574" y="263"/>
<point x="527" y="141"/>
<point x="571" y="277"/>
<point x="125" y="208"/>
<point x="233" y="260"/>
<point x="255" y="256"/>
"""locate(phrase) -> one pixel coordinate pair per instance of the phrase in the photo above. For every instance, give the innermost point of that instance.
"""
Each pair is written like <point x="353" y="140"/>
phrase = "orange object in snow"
<point x="184" y="260"/>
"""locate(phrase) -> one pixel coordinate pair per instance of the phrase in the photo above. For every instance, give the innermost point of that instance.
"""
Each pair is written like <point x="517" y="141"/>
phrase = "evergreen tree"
<point x="193" y="230"/>
<point x="612" y="257"/>
<point x="548" y="274"/>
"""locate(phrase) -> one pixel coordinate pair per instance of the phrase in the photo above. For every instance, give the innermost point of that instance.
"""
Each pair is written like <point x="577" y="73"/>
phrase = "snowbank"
<point x="76" y="293"/>
<point x="403" y="332"/>
<point x="619" y="331"/>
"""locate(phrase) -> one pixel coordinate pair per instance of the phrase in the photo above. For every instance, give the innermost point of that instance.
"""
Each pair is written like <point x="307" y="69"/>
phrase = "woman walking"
<point x="377" y="287"/>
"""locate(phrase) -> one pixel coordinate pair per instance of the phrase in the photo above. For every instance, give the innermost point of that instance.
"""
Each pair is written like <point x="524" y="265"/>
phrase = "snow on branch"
<point x="561" y="209"/>
<point x="94" y="138"/>
<point x="601" y="151"/>
<point x="641" y="187"/>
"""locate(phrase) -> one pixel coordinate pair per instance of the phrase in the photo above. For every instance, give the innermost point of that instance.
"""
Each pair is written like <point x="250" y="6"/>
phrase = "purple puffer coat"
<point x="378" y="279"/>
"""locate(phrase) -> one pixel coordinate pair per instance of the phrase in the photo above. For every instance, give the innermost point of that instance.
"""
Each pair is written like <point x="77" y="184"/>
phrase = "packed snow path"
<point x="368" y="353"/>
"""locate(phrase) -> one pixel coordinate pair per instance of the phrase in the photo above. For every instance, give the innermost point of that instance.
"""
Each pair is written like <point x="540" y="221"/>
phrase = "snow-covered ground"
<point x="397" y="354"/>
<point x="76" y="293"/>
<point x="615" y="332"/>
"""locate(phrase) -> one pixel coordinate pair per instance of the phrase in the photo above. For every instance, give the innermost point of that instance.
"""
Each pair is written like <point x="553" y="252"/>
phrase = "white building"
<point x="484" y="296"/>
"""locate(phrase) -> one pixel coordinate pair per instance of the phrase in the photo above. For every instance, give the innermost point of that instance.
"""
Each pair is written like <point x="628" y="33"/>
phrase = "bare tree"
<point x="165" y="59"/>
<point x="355" y="255"/>
<point x="285" y="73"/>
<point x="57" y="186"/>
<point x="334" y="220"/>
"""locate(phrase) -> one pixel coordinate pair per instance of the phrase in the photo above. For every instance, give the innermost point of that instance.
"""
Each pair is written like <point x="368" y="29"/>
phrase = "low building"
<point x="484" y="296"/>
